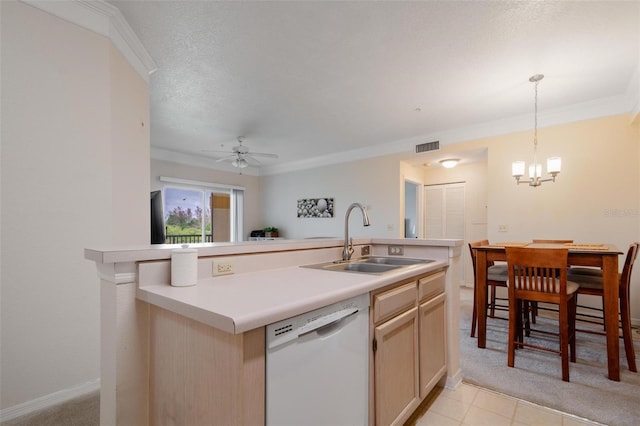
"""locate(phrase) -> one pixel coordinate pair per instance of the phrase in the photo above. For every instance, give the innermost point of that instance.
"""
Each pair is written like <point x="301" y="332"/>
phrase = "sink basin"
<point x="400" y="261"/>
<point x="370" y="264"/>
<point x="367" y="268"/>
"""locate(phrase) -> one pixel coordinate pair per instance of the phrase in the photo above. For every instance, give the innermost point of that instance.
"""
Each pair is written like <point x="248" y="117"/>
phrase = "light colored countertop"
<point x="239" y="303"/>
<point x="121" y="254"/>
<point x="274" y="290"/>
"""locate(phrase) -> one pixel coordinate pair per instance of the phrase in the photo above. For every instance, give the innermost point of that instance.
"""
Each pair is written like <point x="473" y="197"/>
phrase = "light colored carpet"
<point x="84" y="411"/>
<point x="537" y="376"/>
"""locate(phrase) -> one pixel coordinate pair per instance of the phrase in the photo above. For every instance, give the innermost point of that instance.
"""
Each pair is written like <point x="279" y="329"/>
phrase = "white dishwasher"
<point x="318" y="367"/>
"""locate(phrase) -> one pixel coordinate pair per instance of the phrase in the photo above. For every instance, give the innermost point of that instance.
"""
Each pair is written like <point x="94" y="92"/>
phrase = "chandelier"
<point x="535" y="168"/>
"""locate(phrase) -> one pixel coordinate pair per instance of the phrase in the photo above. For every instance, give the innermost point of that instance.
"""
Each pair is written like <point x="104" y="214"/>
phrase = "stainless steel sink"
<point x="369" y="264"/>
<point x="367" y="268"/>
<point x="400" y="261"/>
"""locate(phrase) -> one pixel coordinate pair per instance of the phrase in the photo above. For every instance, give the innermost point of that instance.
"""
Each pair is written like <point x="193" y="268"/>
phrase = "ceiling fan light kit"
<point x="240" y="163"/>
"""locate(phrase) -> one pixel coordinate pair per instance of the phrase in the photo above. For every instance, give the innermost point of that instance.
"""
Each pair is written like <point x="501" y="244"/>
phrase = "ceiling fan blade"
<point x="263" y="154"/>
<point x="251" y="160"/>
<point x="241" y="152"/>
<point x="221" y="152"/>
<point x="227" y="158"/>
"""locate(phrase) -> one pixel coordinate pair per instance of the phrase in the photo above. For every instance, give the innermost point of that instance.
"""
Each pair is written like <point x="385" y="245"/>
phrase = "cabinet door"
<point x="396" y="368"/>
<point x="433" y="360"/>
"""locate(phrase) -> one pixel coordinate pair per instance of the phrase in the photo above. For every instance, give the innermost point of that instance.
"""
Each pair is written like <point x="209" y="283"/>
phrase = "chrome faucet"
<point x="348" y="243"/>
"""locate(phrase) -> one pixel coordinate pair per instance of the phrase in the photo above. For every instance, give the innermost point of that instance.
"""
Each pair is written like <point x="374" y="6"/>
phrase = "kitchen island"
<point x="146" y="324"/>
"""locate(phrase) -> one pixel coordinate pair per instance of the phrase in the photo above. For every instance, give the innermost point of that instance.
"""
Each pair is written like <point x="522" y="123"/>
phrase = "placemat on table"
<point x="582" y="246"/>
<point x="510" y="244"/>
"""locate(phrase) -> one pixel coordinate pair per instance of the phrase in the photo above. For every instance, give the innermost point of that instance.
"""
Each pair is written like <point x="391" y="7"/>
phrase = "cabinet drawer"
<point x="431" y="286"/>
<point x="394" y="301"/>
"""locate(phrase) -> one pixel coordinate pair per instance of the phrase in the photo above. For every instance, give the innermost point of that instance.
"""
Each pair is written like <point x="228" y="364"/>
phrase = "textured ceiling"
<point x="315" y="79"/>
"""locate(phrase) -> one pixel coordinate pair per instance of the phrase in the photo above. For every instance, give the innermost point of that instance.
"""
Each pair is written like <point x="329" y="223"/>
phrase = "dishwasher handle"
<point x="289" y="333"/>
<point x="327" y="321"/>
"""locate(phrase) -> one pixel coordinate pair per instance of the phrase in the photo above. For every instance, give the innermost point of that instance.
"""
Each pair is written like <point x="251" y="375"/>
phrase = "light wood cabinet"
<point x="433" y="360"/>
<point x="396" y="367"/>
<point x="432" y="326"/>
<point x="409" y="346"/>
<point x="200" y="375"/>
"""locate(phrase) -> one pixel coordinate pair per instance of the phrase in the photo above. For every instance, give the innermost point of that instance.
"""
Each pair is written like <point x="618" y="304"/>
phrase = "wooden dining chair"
<point x="540" y="275"/>
<point x="534" y="305"/>
<point x="496" y="277"/>
<point x="589" y="281"/>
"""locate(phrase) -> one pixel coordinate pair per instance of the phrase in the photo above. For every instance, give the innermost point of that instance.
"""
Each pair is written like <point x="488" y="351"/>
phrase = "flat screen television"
<point x="157" y="218"/>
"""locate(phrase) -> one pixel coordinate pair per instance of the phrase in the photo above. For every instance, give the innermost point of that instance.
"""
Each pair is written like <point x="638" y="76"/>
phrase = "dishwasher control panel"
<point x="290" y="329"/>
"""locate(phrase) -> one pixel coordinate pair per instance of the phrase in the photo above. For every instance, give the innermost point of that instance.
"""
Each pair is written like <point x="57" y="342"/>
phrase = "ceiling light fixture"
<point x="449" y="163"/>
<point x="535" y="169"/>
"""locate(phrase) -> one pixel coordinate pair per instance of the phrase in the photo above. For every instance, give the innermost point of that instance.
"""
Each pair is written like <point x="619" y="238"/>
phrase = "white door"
<point x="444" y="211"/>
<point x="444" y="215"/>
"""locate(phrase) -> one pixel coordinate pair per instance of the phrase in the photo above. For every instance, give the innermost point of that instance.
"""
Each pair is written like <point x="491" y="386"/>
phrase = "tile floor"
<point x="470" y="405"/>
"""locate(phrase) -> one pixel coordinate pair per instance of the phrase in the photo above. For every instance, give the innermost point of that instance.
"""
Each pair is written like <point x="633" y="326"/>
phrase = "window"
<point x="195" y="215"/>
<point x="187" y="216"/>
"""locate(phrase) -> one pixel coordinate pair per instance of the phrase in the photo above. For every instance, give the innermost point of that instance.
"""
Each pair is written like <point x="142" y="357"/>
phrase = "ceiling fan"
<point x="240" y="157"/>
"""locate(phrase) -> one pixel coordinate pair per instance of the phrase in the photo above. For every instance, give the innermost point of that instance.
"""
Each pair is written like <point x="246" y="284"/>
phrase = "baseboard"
<point x="453" y="381"/>
<point x="48" y="401"/>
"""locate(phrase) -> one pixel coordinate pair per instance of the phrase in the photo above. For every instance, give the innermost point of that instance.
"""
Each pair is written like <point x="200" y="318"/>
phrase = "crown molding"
<point x="106" y="20"/>
<point x="616" y="105"/>
<point x="405" y="148"/>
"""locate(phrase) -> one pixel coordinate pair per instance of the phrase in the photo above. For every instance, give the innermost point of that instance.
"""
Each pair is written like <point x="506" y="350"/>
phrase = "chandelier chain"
<point x="535" y="124"/>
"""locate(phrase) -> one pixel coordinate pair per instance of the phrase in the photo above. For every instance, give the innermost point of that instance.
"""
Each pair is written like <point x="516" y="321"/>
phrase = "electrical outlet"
<point x="222" y="267"/>
<point x="365" y="250"/>
<point x="396" y="251"/>
<point x="503" y="228"/>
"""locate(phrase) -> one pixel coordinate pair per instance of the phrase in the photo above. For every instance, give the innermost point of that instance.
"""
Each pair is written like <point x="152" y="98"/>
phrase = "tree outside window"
<point x="187" y="215"/>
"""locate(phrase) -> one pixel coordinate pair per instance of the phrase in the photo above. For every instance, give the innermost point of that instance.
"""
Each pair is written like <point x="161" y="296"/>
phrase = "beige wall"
<point x="374" y="183"/>
<point x="130" y="169"/>
<point x="595" y="198"/>
<point x="74" y="168"/>
<point x="253" y="214"/>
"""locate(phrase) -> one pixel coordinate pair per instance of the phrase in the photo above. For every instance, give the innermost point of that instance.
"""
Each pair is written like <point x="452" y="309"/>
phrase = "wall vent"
<point x="429" y="146"/>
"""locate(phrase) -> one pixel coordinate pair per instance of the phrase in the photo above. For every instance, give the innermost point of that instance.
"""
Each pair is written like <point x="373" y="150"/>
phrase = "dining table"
<point x="604" y="256"/>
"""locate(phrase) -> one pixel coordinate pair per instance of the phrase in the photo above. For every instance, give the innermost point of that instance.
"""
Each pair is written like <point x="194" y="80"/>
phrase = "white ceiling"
<point x="315" y="82"/>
